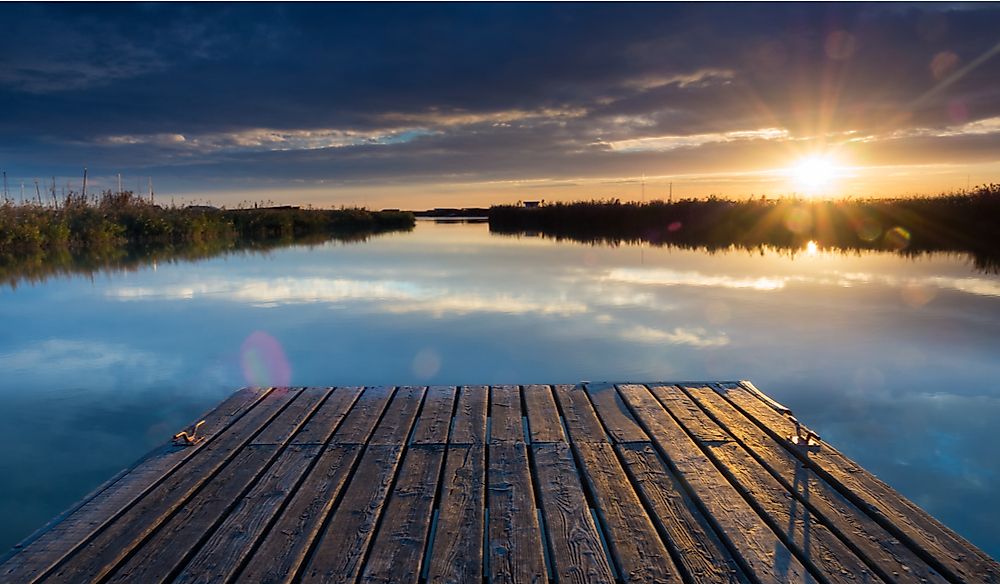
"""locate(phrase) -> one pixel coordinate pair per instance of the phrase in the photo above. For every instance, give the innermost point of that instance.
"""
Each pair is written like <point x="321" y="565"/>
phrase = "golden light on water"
<point x="811" y="248"/>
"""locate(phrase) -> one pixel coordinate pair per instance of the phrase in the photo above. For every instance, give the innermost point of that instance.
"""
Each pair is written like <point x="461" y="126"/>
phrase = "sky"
<point x="430" y="105"/>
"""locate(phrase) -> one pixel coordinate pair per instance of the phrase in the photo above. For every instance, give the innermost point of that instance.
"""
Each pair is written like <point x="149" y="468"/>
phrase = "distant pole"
<point x="5" y="184"/>
<point x="38" y="193"/>
<point x="85" y="182"/>
<point x="119" y="183"/>
<point x="22" y="191"/>
<point x="150" y="190"/>
<point x="671" y="192"/>
<point x="644" y="187"/>
<point x="55" y="200"/>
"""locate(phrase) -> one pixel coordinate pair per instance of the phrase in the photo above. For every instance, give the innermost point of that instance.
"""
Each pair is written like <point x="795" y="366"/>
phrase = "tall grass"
<point x="967" y="222"/>
<point x="121" y="229"/>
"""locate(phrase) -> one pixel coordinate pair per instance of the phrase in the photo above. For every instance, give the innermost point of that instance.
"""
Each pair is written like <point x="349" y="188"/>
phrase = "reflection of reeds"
<point x="124" y="232"/>
<point x="965" y="222"/>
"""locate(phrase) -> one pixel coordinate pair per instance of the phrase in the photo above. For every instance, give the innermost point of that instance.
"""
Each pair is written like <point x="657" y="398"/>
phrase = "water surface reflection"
<point x="890" y="358"/>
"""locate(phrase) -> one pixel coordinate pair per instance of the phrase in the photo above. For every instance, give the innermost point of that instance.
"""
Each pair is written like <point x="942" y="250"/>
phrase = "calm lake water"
<point x="893" y="360"/>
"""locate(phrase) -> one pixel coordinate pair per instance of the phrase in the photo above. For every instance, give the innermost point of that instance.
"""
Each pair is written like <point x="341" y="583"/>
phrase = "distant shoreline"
<point x="78" y="234"/>
<point x="967" y="222"/>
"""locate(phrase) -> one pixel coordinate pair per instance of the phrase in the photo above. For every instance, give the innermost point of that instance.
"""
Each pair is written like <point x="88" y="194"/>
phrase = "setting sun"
<point x="814" y="173"/>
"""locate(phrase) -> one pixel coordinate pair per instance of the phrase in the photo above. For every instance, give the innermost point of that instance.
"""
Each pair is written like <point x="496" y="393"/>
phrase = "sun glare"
<point x="814" y="173"/>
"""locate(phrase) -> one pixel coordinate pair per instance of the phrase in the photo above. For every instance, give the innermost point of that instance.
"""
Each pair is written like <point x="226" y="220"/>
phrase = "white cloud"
<point x="667" y="277"/>
<point x="695" y="337"/>
<point x="389" y="295"/>
<point x="673" y="142"/>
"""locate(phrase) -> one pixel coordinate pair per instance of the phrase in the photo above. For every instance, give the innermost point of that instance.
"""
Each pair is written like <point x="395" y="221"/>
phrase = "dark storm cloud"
<point x="482" y="91"/>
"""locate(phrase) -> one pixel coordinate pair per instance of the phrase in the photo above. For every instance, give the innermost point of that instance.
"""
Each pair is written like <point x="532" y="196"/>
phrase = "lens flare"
<point x="798" y="220"/>
<point x="263" y="361"/>
<point x="897" y="238"/>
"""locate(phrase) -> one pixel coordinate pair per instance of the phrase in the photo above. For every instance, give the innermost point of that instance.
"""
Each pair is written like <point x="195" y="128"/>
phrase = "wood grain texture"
<point x="285" y="545"/>
<point x="160" y="555"/>
<point x="515" y="544"/>
<point x="457" y="556"/>
<point x="397" y="422"/>
<point x="577" y="553"/>
<point x="636" y="546"/>
<point x="344" y="542"/>
<point x="281" y="429"/>
<point x="803" y="530"/>
<point x="398" y="549"/>
<point x="435" y="418"/>
<point x="757" y="547"/>
<point x="229" y="546"/>
<point x="589" y="483"/>
<point x="948" y="552"/>
<point x="365" y="413"/>
<point x="893" y="559"/>
<point x="505" y="414"/>
<point x="102" y="553"/>
<point x="55" y="541"/>
<point x="578" y="414"/>
<point x="610" y="408"/>
<point x="328" y="417"/>
<point x="469" y="425"/>
<point x="543" y="415"/>
<point x="701" y="553"/>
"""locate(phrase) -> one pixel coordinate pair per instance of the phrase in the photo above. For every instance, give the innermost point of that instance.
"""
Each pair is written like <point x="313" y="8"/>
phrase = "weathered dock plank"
<point x="597" y="482"/>
<point x="760" y="550"/>
<point x="457" y="554"/>
<point x="56" y="541"/>
<point x="577" y="552"/>
<point x="948" y="552"/>
<point x="868" y="539"/>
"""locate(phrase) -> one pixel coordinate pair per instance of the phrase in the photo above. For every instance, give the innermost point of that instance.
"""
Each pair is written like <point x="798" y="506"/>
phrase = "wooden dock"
<point x="691" y="482"/>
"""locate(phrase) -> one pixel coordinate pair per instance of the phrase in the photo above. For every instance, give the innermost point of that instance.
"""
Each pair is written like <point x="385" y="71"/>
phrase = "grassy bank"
<point x="119" y="231"/>
<point x="965" y="222"/>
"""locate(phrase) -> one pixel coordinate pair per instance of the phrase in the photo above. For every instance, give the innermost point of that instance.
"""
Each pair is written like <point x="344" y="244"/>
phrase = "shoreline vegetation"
<point x="966" y="222"/>
<point x="124" y="231"/>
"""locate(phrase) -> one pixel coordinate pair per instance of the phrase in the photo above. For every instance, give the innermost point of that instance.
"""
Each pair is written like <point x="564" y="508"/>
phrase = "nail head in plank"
<point x="543" y="415"/>
<point x="577" y="553"/>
